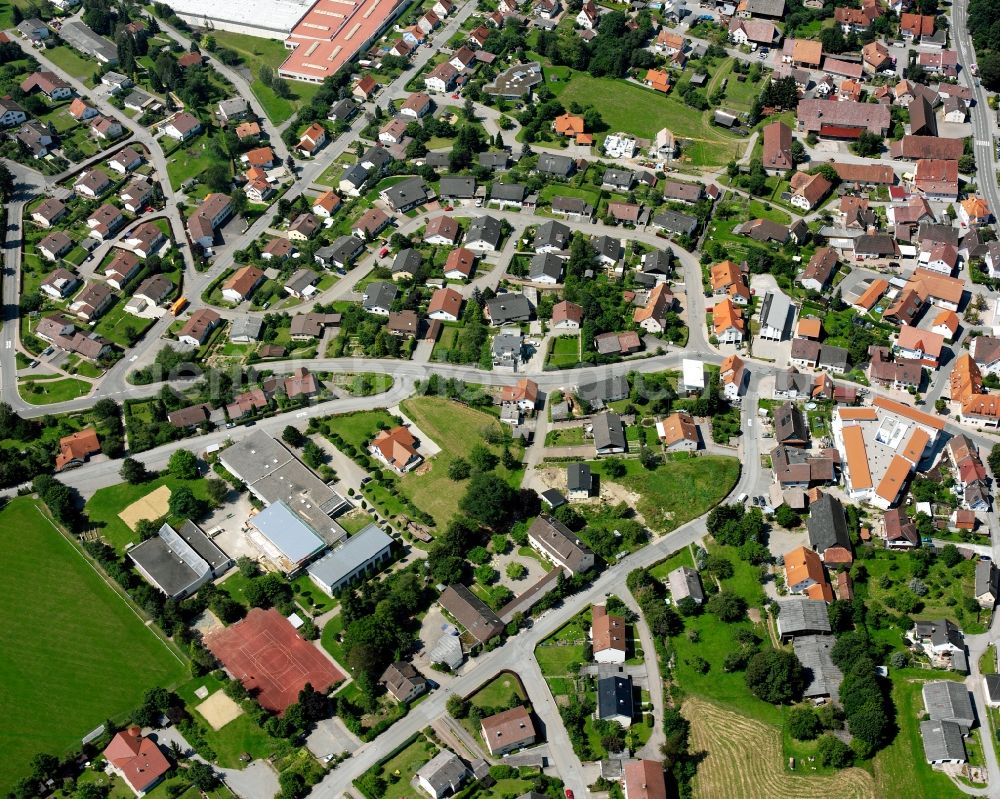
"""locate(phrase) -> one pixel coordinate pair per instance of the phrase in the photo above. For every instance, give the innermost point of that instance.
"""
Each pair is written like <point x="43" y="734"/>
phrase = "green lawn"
<point x="103" y="508"/>
<point x="240" y="735"/>
<point x="635" y="109"/>
<point x="71" y="61"/>
<point x="191" y="159"/>
<point x="559" y="653"/>
<point x="590" y="196"/>
<point x="499" y="691"/>
<point x="359" y="428"/>
<point x="565" y="437"/>
<point x="257" y="52"/>
<point x="47" y="392"/>
<point x="455" y="428"/>
<point x="677" y="491"/>
<point x="75" y="653"/>
<point x="565" y="351"/>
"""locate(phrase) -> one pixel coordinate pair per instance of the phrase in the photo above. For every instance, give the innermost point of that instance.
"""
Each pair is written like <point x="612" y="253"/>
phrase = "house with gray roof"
<point x="615" y="701"/>
<point x="403" y="682"/>
<point x="609" y="434"/>
<point x="551" y="236"/>
<point x="659" y="264"/>
<point x="555" y="542"/>
<point x="545" y="268"/>
<point x="508" y="195"/>
<point x="341" y="253"/>
<point x="494" y="161"/>
<point x="675" y="222"/>
<point x="685" y="582"/>
<point x="827" y="525"/>
<point x="508" y="308"/>
<point x="471" y="612"/>
<point x="609" y="249"/>
<point x="179" y="562"/>
<point x="406" y="263"/>
<point x="407" y="194"/>
<point x="484" y="234"/>
<point x="608" y="389"/>
<point x="790" y="426"/>
<point x="457" y="187"/>
<point x="363" y="554"/>
<point x="776" y="311"/>
<point x="948" y="700"/>
<point x="245" y="329"/>
<point x="555" y="165"/>
<point x="378" y="298"/>
<point x="579" y="481"/>
<point x="507" y="349"/>
<point x="443" y="775"/>
<point x="618" y="179"/>
<point x="799" y="615"/>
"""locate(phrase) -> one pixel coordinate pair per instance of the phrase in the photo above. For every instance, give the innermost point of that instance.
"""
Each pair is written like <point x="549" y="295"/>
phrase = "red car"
<point x="569" y="794"/>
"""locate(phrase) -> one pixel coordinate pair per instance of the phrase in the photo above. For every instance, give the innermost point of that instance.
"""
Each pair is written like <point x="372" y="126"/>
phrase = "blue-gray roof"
<point x="356" y="551"/>
<point x="295" y="539"/>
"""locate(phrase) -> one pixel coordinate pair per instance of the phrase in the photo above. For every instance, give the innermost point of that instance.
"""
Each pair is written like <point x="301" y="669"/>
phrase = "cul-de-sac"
<point x="499" y="399"/>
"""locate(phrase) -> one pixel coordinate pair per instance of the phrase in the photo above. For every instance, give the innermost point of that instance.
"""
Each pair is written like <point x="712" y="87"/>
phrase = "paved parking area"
<point x="225" y="527"/>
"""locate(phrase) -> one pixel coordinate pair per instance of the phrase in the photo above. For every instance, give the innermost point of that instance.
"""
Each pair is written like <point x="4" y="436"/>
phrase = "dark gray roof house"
<point x="609" y="435"/>
<point x="943" y="742"/>
<point x="551" y="235"/>
<point x="659" y="262"/>
<point x="559" y="165"/>
<point x="407" y="194"/>
<point x="827" y="525"/>
<point x="378" y="297"/>
<point x="461" y="188"/>
<point x="614" y="699"/>
<point x="343" y="110"/>
<point x="442" y="775"/>
<point x="341" y="253"/>
<point x="579" y="480"/>
<point x="620" y="179"/>
<point x="484" y="233"/>
<point x="507" y="308"/>
<point x="608" y="248"/>
<point x="833" y="359"/>
<point x="799" y="615"/>
<point x="545" y="267"/>
<point x="507" y="192"/>
<point x="406" y="261"/>
<point x="494" y="161"/>
<point x="608" y="389"/>
<point x="676" y="222"/>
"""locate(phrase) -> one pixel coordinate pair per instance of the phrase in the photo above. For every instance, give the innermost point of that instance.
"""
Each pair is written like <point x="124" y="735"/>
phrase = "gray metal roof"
<point x="942" y="741"/>
<point x="357" y="550"/>
<point x="798" y="615"/>
<point x="293" y="538"/>
<point x="947" y="700"/>
<point x="246" y="327"/>
<point x="775" y="310"/>
<point x="823" y="678"/>
<point x="170" y="562"/>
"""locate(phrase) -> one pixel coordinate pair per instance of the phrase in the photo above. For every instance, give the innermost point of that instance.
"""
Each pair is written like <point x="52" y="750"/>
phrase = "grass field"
<point x="103" y="508"/>
<point x="359" y="428"/>
<point x="565" y="351"/>
<point x="191" y="159"/>
<point x="743" y="760"/>
<point x="634" y="109"/>
<point x="47" y="392"/>
<point x="257" y="52"/>
<point x="455" y="428"/>
<point x="677" y="491"/>
<point x="499" y="691"/>
<point x="75" y="653"/>
<point x="71" y="61"/>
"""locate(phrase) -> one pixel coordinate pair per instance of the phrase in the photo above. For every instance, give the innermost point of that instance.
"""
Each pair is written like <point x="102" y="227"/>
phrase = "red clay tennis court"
<point x="266" y="654"/>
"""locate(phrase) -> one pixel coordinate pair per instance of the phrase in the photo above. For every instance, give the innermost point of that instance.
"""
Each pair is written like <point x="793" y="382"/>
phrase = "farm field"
<point x="70" y="632"/>
<point x="744" y="761"/>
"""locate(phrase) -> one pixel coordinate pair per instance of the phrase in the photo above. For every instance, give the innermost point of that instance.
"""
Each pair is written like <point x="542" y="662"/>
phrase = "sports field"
<point x="74" y="653"/>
